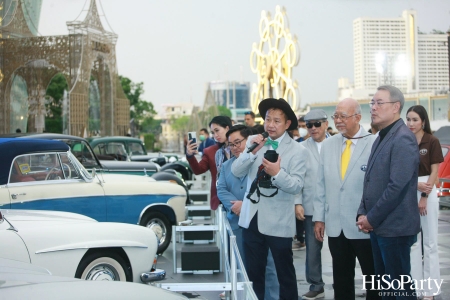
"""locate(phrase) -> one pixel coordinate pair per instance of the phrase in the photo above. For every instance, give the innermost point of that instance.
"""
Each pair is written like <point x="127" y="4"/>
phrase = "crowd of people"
<point x="371" y="193"/>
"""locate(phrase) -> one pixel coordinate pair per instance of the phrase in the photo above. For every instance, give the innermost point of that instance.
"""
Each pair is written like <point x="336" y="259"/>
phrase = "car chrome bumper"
<point x="444" y="201"/>
<point x="158" y="274"/>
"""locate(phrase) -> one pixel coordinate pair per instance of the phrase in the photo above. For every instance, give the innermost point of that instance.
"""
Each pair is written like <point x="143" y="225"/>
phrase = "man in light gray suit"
<point x="389" y="209"/>
<point x="343" y="162"/>
<point x="316" y="124"/>
<point x="270" y="203"/>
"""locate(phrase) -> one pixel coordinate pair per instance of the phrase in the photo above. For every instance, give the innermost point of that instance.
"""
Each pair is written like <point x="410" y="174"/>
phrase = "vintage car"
<point x="113" y="159"/>
<point x="135" y="147"/>
<point x="45" y="175"/>
<point x="77" y="246"/>
<point x="137" y="153"/>
<point x="25" y="281"/>
<point x="443" y="134"/>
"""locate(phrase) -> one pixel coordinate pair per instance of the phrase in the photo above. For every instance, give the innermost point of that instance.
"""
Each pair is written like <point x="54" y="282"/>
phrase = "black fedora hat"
<point x="268" y="103"/>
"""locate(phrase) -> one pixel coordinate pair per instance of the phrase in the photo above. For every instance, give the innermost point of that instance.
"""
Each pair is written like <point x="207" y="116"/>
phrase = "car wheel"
<point x="161" y="226"/>
<point x="103" y="266"/>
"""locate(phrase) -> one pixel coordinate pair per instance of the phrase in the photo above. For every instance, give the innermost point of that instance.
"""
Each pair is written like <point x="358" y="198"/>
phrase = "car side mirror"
<point x="94" y="172"/>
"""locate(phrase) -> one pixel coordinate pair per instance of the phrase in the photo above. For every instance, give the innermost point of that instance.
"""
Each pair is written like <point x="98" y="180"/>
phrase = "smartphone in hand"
<point x="192" y="135"/>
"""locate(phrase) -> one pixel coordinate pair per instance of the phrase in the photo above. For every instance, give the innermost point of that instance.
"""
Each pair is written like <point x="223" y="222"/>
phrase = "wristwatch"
<point x="424" y="195"/>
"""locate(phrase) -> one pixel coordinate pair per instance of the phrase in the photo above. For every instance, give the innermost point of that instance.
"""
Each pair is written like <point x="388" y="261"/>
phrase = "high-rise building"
<point x="233" y="95"/>
<point x="392" y="51"/>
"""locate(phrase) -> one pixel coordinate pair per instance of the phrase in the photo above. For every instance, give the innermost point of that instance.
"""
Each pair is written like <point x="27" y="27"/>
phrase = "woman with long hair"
<point x="213" y="156"/>
<point x="430" y="158"/>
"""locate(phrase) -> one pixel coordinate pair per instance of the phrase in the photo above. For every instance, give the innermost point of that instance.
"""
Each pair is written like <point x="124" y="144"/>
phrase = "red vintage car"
<point x="443" y="134"/>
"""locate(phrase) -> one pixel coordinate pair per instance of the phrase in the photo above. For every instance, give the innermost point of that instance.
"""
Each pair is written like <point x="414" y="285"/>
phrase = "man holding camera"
<point x="276" y="170"/>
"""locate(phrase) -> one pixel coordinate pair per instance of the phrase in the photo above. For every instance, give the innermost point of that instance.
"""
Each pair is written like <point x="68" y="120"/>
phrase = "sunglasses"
<point x="315" y="124"/>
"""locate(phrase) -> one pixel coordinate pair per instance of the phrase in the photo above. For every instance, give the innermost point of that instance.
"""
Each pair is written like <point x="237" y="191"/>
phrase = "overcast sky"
<point x="176" y="47"/>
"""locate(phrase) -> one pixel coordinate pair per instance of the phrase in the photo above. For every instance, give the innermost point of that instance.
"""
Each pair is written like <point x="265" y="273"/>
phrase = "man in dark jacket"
<point x="389" y="209"/>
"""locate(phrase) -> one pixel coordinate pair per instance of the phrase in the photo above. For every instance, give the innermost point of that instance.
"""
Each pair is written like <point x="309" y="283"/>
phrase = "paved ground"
<point x="166" y="260"/>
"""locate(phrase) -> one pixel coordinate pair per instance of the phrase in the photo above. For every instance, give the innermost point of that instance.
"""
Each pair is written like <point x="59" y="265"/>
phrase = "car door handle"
<point x="14" y="196"/>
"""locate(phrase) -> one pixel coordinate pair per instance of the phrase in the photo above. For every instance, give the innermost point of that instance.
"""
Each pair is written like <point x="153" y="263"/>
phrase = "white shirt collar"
<point x="354" y="141"/>
<point x="280" y="138"/>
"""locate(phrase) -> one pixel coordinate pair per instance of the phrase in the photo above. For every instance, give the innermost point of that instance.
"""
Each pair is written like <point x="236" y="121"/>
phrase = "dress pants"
<point x="429" y="224"/>
<point x="391" y="256"/>
<point x="313" y="262"/>
<point x="272" y="289"/>
<point x="256" y="247"/>
<point x="344" y="252"/>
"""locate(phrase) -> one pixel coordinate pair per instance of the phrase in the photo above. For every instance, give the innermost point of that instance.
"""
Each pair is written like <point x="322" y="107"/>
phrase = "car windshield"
<point x="76" y="162"/>
<point x="137" y="148"/>
<point x="83" y="153"/>
<point x="47" y="166"/>
<point x="444" y="151"/>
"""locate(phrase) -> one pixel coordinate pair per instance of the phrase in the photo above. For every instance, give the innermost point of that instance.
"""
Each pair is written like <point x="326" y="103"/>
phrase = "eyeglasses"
<point x="236" y="144"/>
<point x="342" y="117"/>
<point x="248" y="113"/>
<point x="315" y="124"/>
<point x="379" y="103"/>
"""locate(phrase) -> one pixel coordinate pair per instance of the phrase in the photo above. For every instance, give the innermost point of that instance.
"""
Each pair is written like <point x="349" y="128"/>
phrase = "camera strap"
<point x="260" y="174"/>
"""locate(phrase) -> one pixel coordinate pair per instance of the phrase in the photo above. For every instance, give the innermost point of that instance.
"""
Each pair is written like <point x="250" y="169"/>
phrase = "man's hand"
<point x="271" y="168"/>
<point x="260" y="140"/>
<point x="191" y="148"/>
<point x="236" y="207"/>
<point x="363" y="224"/>
<point x="299" y="212"/>
<point x="423" y="206"/>
<point x="319" y="230"/>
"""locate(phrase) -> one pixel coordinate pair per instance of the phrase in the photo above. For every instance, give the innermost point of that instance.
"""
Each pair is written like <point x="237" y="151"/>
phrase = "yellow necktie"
<point x="345" y="158"/>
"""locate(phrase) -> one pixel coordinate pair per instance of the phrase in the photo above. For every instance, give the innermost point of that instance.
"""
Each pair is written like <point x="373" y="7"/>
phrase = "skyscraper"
<point x="392" y="51"/>
<point x="233" y="95"/>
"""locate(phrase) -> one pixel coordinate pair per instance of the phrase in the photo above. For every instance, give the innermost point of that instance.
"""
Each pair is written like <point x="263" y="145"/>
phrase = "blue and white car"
<point x="45" y="175"/>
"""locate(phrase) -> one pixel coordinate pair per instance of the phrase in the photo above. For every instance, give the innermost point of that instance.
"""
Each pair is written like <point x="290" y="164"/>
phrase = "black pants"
<point x="344" y="253"/>
<point x="256" y="247"/>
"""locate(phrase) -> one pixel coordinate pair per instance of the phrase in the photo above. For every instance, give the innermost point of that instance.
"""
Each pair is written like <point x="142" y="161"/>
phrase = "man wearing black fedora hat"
<point x="276" y="170"/>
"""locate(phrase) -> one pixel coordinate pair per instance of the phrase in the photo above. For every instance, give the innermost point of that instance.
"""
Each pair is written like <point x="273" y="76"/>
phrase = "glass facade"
<point x="231" y="94"/>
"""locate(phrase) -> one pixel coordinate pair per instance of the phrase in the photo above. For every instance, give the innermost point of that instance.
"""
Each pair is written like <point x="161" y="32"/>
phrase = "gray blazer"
<point x="338" y="200"/>
<point x="390" y="186"/>
<point x="309" y="190"/>
<point x="276" y="215"/>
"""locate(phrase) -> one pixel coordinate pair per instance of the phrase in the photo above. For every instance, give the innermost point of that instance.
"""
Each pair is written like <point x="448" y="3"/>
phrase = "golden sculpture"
<point x="89" y="51"/>
<point x="273" y="60"/>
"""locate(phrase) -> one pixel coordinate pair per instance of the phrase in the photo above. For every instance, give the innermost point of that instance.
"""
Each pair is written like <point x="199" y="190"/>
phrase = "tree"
<point x="180" y="124"/>
<point x="55" y="92"/>
<point x="437" y="31"/>
<point x="141" y="111"/>
<point x="223" y="111"/>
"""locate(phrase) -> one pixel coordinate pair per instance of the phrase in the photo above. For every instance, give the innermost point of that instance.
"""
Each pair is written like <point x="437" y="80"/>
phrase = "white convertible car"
<point x="77" y="246"/>
<point x="45" y="175"/>
<point x="25" y="281"/>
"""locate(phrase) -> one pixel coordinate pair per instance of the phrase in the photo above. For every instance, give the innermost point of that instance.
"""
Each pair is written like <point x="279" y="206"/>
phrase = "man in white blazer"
<point x="270" y="204"/>
<point x="316" y="124"/>
<point x="343" y="161"/>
